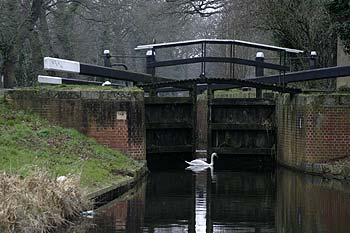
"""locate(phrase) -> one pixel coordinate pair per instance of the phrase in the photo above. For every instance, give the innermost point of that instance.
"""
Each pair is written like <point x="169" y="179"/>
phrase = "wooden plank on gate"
<point x="242" y="102"/>
<point x="242" y="151"/>
<point x="169" y="125"/>
<point x="169" y="149"/>
<point x="168" y="100"/>
<point x="231" y="126"/>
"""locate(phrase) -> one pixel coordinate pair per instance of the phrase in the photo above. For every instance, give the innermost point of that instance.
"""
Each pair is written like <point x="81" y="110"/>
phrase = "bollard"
<point x="259" y="72"/>
<point x="313" y="60"/>
<point x="150" y="58"/>
<point x="107" y="58"/>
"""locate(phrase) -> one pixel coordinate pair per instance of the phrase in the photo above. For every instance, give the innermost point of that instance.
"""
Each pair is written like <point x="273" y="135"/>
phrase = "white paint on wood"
<point x="56" y="64"/>
<point x="259" y="54"/>
<point x="150" y="53"/>
<point x="49" y="79"/>
<point x="121" y="115"/>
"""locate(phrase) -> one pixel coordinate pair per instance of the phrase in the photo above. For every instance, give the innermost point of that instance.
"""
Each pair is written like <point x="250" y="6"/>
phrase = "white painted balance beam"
<point x="58" y="81"/>
<point x="49" y="80"/>
<point x="56" y="64"/>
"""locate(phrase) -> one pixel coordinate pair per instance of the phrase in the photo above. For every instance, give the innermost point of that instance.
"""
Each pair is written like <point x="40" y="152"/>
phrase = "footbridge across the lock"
<point x="234" y="125"/>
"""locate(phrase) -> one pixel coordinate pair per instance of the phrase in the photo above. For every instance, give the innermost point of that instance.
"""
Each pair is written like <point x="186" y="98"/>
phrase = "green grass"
<point x="28" y="142"/>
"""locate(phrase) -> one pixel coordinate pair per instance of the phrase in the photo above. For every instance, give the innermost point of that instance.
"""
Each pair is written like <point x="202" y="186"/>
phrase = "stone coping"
<point x="323" y="169"/>
<point x="332" y="99"/>
<point x="75" y="94"/>
<point x="107" y="194"/>
<point x="328" y="170"/>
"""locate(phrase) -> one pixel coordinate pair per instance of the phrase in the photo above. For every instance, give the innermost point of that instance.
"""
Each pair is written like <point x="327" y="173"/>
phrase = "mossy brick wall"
<point x="312" y="128"/>
<point x="114" y="118"/>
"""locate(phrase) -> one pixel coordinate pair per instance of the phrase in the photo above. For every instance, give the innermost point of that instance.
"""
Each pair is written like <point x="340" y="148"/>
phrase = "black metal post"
<point x="209" y="121"/>
<point x="204" y="54"/>
<point x="232" y="65"/>
<point x="193" y="94"/>
<point x="150" y="58"/>
<point x="107" y="58"/>
<point x="313" y="60"/>
<point x="259" y="72"/>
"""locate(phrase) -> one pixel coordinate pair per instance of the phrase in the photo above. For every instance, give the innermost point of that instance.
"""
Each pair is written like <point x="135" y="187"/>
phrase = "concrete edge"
<point x="88" y="94"/>
<point x="105" y="195"/>
<point x="318" y="169"/>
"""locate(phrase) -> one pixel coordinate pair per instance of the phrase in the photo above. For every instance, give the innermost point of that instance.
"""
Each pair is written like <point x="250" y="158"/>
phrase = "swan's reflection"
<point x="201" y="202"/>
<point x="200" y="169"/>
<point x="202" y="180"/>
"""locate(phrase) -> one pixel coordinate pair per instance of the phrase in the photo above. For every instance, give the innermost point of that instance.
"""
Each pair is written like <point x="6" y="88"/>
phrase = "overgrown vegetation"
<point x="37" y="203"/>
<point x="27" y="141"/>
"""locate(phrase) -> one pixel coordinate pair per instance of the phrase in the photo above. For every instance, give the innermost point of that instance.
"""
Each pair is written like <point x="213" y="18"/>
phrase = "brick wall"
<point x="313" y="128"/>
<point x="114" y="118"/>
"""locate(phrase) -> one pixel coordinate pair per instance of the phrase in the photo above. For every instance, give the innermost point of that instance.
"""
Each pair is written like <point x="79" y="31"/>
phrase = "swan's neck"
<point x="212" y="160"/>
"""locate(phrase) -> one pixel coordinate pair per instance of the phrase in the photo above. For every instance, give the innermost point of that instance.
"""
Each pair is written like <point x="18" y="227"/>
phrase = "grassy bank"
<point x="27" y="141"/>
<point x="33" y="153"/>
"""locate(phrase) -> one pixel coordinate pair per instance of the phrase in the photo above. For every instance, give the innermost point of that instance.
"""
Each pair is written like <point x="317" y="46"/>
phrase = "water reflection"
<point x="243" y="202"/>
<point x="236" y="201"/>
<point x="170" y="202"/>
<point x="308" y="203"/>
<point x="201" y="202"/>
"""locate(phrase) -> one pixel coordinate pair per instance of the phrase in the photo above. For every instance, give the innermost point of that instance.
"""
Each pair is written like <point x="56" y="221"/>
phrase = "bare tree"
<point x="204" y="8"/>
<point x="21" y="33"/>
<point x="8" y="33"/>
<point x="301" y="24"/>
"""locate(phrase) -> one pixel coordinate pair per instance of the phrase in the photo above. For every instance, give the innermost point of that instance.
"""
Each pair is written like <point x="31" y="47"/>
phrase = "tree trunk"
<point x="64" y="16"/>
<point x="45" y="35"/>
<point x="35" y="44"/>
<point x="37" y="57"/>
<point x="9" y="69"/>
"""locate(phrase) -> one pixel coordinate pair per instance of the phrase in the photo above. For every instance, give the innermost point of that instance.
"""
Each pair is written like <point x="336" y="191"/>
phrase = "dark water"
<point x="278" y="200"/>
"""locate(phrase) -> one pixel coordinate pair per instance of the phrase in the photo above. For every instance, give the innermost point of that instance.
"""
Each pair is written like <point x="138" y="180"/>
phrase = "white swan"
<point x="197" y="169"/>
<point x="199" y="162"/>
